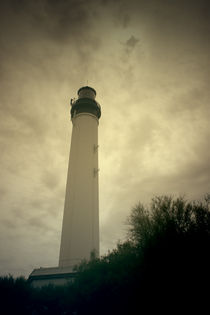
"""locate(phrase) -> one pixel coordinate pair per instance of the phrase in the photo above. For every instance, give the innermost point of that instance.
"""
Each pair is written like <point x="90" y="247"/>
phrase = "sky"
<point x="149" y="64"/>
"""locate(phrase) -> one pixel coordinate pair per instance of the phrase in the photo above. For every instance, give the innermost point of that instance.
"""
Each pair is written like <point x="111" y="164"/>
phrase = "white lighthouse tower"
<point x="80" y="232"/>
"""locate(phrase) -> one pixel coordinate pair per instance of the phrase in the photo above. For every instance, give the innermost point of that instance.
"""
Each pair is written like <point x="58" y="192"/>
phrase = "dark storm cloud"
<point x="130" y="44"/>
<point x="169" y="20"/>
<point x="57" y="19"/>
<point x="64" y="19"/>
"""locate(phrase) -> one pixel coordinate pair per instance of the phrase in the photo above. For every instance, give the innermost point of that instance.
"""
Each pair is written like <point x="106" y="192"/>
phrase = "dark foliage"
<point x="173" y="240"/>
<point x="162" y="267"/>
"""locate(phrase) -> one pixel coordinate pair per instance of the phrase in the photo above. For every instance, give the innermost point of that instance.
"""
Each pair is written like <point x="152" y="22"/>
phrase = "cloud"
<point x="39" y="223"/>
<point x="51" y="179"/>
<point x="154" y="128"/>
<point x="59" y="20"/>
<point x="131" y="42"/>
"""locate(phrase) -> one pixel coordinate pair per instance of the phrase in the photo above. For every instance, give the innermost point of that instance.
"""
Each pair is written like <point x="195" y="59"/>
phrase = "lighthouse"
<point x="80" y="230"/>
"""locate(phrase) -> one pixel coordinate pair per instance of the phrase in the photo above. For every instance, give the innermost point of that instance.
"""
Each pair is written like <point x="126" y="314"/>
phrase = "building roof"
<point x="53" y="271"/>
<point x="86" y="87"/>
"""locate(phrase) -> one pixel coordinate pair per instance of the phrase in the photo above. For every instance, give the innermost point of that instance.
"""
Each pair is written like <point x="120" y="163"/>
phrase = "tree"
<point x="172" y="238"/>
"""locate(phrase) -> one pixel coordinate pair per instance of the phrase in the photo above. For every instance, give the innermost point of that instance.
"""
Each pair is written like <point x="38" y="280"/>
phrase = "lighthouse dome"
<point x="86" y="92"/>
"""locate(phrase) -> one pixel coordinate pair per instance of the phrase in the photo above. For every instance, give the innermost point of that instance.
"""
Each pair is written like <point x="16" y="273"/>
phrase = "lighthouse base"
<point x="54" y="276"/>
